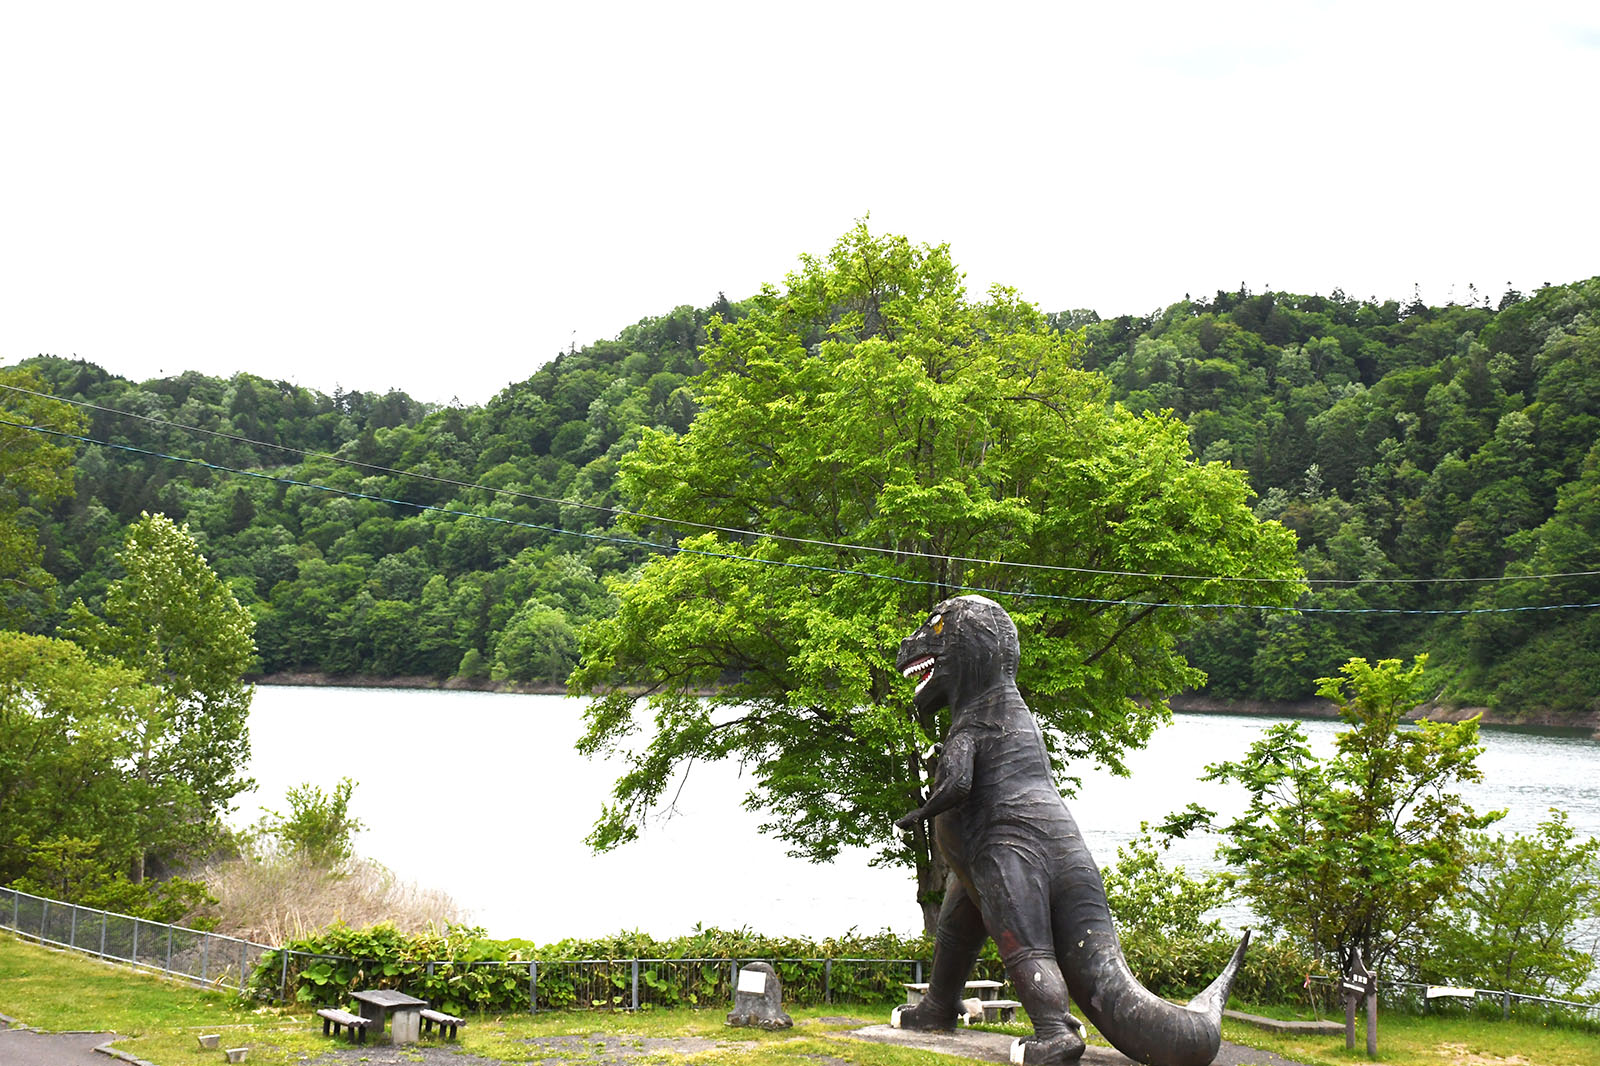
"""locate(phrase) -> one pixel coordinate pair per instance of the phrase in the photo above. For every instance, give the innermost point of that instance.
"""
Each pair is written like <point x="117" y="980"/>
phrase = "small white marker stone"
<point x="753" y="981"/>
<point x="1016" y="1051"/>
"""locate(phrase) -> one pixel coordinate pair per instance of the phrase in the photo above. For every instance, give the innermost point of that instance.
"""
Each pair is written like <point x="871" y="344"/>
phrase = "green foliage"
<point x="1395" y="441"/>
<point x="1158" y="902"/>
<point x="76" y="816"/>
<point x="1357" y="851"/>
<point x="35" y="471"/>
<point x="1524" y="920"/>
<point x="872" y="403"/>
<point x="318" y="828"/>
<point x="1179" y="967"/>
<point x="472" y="972"/>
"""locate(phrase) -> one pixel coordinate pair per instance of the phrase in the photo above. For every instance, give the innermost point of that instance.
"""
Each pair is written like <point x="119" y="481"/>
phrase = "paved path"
<point x="24" y="1047"/>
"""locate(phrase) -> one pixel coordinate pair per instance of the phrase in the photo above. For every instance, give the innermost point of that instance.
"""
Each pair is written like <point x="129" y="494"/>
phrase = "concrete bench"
<point x="1000" y="1010"/>
<point x="450" y="1021"/>
<point x="984" y="989"/>
<point x="355" y="1023"/>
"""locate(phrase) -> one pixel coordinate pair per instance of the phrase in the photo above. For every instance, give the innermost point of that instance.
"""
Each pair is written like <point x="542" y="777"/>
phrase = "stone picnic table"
<point x="403" y="1012"/>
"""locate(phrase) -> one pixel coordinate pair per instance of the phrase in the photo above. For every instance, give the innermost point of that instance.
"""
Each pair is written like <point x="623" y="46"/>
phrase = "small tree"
<point x="1358" y="851"/>
<point x="1526" y="919"/>
<point x="1149" y="898"/>
<point x="319" y="828"/>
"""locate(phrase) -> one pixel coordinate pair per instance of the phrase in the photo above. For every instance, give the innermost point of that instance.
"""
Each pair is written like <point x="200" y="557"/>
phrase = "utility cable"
<point x="807" y="541"/>
<point x="674" y="549"/>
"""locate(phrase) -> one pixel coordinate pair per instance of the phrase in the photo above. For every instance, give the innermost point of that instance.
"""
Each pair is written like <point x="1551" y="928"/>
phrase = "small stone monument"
<point x="758" y="999"/>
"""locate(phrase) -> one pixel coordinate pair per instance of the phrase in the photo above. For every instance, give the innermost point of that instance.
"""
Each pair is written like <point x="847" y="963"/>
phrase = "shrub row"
<point x="461" y="969"/>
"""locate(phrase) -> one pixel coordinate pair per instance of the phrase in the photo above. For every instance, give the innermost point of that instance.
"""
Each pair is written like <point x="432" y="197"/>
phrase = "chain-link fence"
<point x="192" y="954"/>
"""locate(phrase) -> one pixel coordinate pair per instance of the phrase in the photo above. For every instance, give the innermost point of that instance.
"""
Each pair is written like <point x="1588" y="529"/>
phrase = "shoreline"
<point x="1575" y="722"/>
<point x="1187" y="703"/>
<point x="314" y="679"/>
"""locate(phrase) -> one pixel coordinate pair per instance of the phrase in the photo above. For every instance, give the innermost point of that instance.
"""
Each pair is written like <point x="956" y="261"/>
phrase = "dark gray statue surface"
<point x="1020" y="871"/>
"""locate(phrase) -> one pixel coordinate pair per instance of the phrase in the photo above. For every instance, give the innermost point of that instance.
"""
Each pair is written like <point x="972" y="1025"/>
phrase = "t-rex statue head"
<point x="967" y="645"/>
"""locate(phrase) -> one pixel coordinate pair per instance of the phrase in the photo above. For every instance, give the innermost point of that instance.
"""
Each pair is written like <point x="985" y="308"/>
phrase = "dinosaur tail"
<point x="1140" y="1024"/>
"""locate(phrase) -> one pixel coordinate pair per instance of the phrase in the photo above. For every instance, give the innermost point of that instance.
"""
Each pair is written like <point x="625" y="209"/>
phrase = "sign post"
<point x="1361" y="983"/>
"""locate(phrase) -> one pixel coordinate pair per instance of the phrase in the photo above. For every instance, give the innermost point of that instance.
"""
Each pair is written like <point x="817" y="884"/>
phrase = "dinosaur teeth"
<point x="921" y="669"/>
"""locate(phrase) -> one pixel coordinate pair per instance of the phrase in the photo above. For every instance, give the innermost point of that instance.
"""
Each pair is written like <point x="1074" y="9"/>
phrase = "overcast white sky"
<point x="441" y="197"/>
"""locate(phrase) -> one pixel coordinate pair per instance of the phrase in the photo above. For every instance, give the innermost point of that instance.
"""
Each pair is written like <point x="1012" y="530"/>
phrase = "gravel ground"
<point x="627" y="1051"/>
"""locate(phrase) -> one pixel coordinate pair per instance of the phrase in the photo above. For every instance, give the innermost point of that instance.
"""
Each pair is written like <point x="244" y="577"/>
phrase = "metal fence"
<point x="219" y="961"/>
<point x="1411" y="995"/>
<point x="191" y="954"/>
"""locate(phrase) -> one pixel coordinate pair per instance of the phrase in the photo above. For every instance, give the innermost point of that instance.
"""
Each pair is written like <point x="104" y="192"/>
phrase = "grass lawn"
<point x="1409" y="1040"/>
<point x="159" y="1020"/>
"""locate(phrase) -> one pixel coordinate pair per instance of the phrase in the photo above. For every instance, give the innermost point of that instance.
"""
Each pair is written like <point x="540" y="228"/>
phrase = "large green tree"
<point x="892" y="442"/>
<point x="171" y="619"/>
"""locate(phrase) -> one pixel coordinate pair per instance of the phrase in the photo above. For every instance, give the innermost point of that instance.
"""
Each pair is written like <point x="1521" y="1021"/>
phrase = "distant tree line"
<point x="1399" y="441"/>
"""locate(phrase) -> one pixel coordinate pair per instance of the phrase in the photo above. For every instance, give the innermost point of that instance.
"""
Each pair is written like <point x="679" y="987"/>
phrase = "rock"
<point x="758" y="1000"/>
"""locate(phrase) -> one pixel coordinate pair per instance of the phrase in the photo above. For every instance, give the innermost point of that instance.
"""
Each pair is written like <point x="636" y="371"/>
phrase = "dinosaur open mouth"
<point x="921" y="669"/>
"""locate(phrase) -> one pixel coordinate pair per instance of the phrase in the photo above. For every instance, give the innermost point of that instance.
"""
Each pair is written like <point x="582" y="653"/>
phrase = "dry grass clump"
<point x="278" y="898"/>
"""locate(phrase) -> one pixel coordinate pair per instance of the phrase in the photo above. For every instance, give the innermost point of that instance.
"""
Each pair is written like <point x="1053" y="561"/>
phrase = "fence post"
<point x="635" y="984"/>
<point x="827" y="981"/>
<point x="44" y="919"/>
<point x="243" y="948"/>
<point x="169" y="949"/>
<point x="72" y="930"/>
<point x="102" y="934"/>
<point x="1505" y="1006"/>
<point x="135" y="952"/>
<point x="16" y="898"/>
<point x="733" y="976"/>
<point x="533" y="987"/>
<point x="205" y="945"/>
<point x="919" y="971"/>
<point x="283" y="980"/>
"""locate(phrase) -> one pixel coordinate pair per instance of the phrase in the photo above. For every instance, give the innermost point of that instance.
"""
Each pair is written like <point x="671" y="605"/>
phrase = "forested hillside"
<point x="1428" y="458"/>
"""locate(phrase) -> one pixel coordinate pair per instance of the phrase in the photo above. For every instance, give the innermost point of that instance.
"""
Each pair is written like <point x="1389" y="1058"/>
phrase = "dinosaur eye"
<point x="937" y="622"/>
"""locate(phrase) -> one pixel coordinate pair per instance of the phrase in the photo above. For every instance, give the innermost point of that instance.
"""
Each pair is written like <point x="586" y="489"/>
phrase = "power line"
<point x="674" y="549"/>
<point x="763" y="535"/>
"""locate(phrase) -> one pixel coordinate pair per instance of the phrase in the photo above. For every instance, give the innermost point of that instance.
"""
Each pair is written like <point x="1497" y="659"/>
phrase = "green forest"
<point x="1431" y="460"/>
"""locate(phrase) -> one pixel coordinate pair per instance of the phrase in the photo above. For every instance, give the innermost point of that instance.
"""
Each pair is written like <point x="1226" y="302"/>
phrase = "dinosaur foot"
<point x="924" y="1015"/>
<point x="1036" y="1052"/>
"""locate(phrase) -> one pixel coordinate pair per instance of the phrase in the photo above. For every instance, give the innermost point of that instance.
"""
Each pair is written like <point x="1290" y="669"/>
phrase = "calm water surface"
<point x="482" y="796"/>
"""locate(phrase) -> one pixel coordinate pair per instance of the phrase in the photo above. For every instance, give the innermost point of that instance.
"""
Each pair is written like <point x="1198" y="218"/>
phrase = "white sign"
<point x="753" y="981"/>
<point x="1435" y="991"/>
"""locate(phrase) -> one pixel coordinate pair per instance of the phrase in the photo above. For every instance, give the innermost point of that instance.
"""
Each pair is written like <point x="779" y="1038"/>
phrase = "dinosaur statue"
<point x="1020" y="871"/>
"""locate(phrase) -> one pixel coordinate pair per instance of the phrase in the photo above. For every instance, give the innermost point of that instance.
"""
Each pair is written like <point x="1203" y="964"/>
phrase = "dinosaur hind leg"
<point x="1017" y="905"/>
<point x="959" y="936"/>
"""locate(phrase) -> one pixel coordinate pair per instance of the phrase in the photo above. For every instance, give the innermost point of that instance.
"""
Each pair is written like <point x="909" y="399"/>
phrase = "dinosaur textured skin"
<point x="1020" y="870"/>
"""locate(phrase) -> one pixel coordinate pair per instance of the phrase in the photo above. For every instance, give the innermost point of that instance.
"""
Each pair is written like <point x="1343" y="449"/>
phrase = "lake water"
<point x="482" y="796"/>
